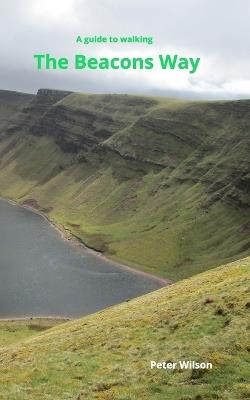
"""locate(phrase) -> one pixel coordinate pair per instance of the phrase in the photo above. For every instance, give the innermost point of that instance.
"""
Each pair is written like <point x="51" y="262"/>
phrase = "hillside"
<point x="158" y="183"/>
<point x="11" y="104"/>
<point x="107" y="355"/>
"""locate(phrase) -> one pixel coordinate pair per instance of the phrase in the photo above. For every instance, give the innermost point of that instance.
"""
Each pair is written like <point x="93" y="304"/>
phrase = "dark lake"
<point x="43" y="275"/>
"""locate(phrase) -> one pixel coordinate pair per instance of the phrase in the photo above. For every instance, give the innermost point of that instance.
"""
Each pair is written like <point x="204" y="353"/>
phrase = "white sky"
<point x="217" y="31"/>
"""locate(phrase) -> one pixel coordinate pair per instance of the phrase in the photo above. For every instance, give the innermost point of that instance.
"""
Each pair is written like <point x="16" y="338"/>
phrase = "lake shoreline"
<point x="77" y="244"/>
<point x="37" y="318"/>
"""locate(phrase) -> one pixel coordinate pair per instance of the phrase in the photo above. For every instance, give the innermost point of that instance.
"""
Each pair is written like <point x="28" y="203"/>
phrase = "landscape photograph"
<point x="124" y="200"/>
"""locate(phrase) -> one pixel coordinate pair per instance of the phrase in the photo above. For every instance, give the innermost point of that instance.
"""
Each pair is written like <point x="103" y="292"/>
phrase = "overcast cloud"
<point x="217" y="31"/>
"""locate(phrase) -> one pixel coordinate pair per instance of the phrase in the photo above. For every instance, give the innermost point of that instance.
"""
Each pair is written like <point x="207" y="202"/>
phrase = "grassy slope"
<point x="12" y="331"/>
<point x="107" y="355"/>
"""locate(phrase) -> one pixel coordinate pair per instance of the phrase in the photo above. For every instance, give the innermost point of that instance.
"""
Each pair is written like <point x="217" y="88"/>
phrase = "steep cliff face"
<point x="211" y="140"/>
<point x="11" y="103"/>
<point x="154" y="181"/>
<point x="80" y="122"/>
<point x="33" y="111"/>
<point x="203" y="136"/>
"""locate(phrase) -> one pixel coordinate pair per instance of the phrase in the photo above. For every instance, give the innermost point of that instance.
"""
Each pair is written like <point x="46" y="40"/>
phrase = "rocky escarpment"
<point x="94" y="119"/>
<point x="35" y="109"/>
<point x="74" y="130"/>
<point x="197" y="142"/>
<point x="11" y="105"/>
<point x="209" y="140"/>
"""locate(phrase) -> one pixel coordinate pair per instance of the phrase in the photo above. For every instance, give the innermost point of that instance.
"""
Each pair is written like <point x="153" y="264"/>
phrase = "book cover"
<point x="124" y="200"/>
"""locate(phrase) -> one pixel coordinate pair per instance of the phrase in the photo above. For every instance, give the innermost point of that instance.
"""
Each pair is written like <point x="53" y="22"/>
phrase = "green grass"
<point x="12" y="331"/>
<point x="107" y="355"/>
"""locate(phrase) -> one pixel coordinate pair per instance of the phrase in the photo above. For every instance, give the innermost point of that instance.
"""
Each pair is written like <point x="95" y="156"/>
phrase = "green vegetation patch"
<point x="12" y="331"/>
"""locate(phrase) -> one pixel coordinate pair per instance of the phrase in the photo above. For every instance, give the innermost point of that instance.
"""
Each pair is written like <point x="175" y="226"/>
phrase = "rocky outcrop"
<point x="32" y="112"/>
